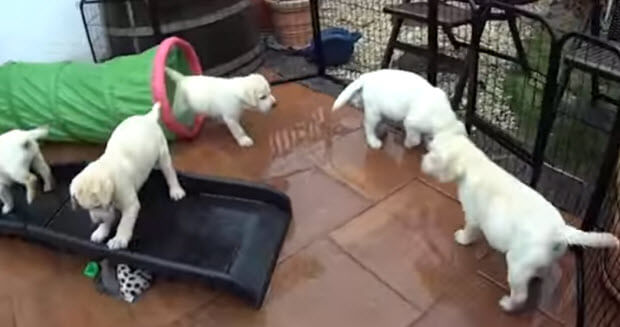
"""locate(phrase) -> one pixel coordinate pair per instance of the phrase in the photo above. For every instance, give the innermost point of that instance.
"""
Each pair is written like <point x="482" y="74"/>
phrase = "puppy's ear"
<point x="74" y="204"/>
<point x="450" y="172"/>
<point x="104" y="190"/>
<point x="255" y="84"/>
<point x="440" y="167"/>
<point x="451" y="169"/>
<point x="431" y="163"/>
<point x="250" y="94"/>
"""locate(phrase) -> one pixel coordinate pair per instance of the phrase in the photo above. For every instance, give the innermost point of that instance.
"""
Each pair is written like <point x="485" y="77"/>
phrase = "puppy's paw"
<point x="49" y="185"/>
<point x="461" y="237"/>
<point x="6" y="209"/>
<point x="118" y="242"/>
<point x="412" y="142"/>
<point x="30" y="195"/>
<point x="245" y="141"/>
<point x="177" y="193"/>
<point x="507" y="304"/>
<point x="100" y="234"/>
<point x="31" y="188"/>
<point x="374" y="143"/>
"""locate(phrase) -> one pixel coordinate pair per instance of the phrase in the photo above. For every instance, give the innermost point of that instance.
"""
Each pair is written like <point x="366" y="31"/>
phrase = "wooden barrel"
<point x="224" y="33"/>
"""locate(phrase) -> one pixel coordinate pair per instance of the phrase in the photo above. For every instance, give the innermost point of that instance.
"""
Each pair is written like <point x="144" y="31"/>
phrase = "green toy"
<point x="91" y="270"/>
<point x="84" y="102"/>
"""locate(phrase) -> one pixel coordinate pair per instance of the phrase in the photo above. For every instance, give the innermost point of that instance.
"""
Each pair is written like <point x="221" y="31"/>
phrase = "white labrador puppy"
<point x="514" y="218"/>
<point x="19" y="152"/>
<point x="223" y="98"/>
<point x="401" y="96"/>
<point x="113" y="181"/>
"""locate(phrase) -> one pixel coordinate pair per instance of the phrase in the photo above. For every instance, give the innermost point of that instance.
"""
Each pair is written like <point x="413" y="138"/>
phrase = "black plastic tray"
<point x="225" y="232"/>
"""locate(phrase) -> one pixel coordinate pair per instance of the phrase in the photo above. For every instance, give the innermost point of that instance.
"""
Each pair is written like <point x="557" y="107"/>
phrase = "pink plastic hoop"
<point x="158" y="85"/>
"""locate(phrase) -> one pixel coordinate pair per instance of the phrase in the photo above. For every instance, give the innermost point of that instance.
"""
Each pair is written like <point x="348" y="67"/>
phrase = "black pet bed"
<point x="227" y="233"/>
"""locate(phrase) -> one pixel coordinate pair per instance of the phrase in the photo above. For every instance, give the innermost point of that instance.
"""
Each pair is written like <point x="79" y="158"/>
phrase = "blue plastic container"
<point x="338" y="46"/>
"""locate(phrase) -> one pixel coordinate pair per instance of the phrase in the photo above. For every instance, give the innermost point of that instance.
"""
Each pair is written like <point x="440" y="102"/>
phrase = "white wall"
<point x="42" y="31"/>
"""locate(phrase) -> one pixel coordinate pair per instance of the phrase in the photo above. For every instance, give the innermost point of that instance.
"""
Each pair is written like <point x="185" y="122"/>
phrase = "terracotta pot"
<point x="263" y="13"/>
<point x="292" y="22"/>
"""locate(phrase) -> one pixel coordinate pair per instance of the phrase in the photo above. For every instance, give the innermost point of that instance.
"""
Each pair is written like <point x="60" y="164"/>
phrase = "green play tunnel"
<point x="84" y="102"/>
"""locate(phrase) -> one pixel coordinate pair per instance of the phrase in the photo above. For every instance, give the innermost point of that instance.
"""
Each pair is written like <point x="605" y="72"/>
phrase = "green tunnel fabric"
<point x="81" y="102"/>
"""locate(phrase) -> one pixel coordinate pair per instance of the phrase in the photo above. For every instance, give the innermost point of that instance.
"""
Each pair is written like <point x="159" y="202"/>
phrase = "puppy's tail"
<point x="155" y="111"/>
<point x="348" y="93"/>
<point x="29" y="139"/>
<point x="574" y="236"/>
<point x="174" y="75"/>
<point x="39" y="132"/>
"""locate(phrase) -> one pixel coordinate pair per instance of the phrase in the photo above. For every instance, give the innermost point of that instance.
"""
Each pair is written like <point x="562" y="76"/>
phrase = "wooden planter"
<point x="292" y="22"/>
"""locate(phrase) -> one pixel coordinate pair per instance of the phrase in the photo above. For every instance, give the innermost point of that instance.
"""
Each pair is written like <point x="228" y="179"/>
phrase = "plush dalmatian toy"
<point x="119" y="281"/>
<point x="132" y="282"/>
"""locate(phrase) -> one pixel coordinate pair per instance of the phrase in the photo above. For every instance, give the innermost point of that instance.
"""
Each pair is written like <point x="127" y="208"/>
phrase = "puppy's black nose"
<point x="273" y="105"/>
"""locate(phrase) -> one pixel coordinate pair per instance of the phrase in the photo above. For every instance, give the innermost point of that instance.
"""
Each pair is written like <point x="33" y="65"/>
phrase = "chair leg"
<point x="467" y="75"/>
<point x="514" y="31"/>
<point x="476" y="35"/>
<point x="389" y="50"/>
<point x="472" y="91"/>
<point x="459" y="89"/>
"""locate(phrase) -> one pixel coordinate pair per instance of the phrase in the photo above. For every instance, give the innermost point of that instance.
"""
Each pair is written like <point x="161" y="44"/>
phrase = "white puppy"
<point x="405" y="97"/>
<point x="19" y="152"/>
<point x="514" y="218"/>
<point x="223" y="98"/>
<point x="113" y="181"/>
